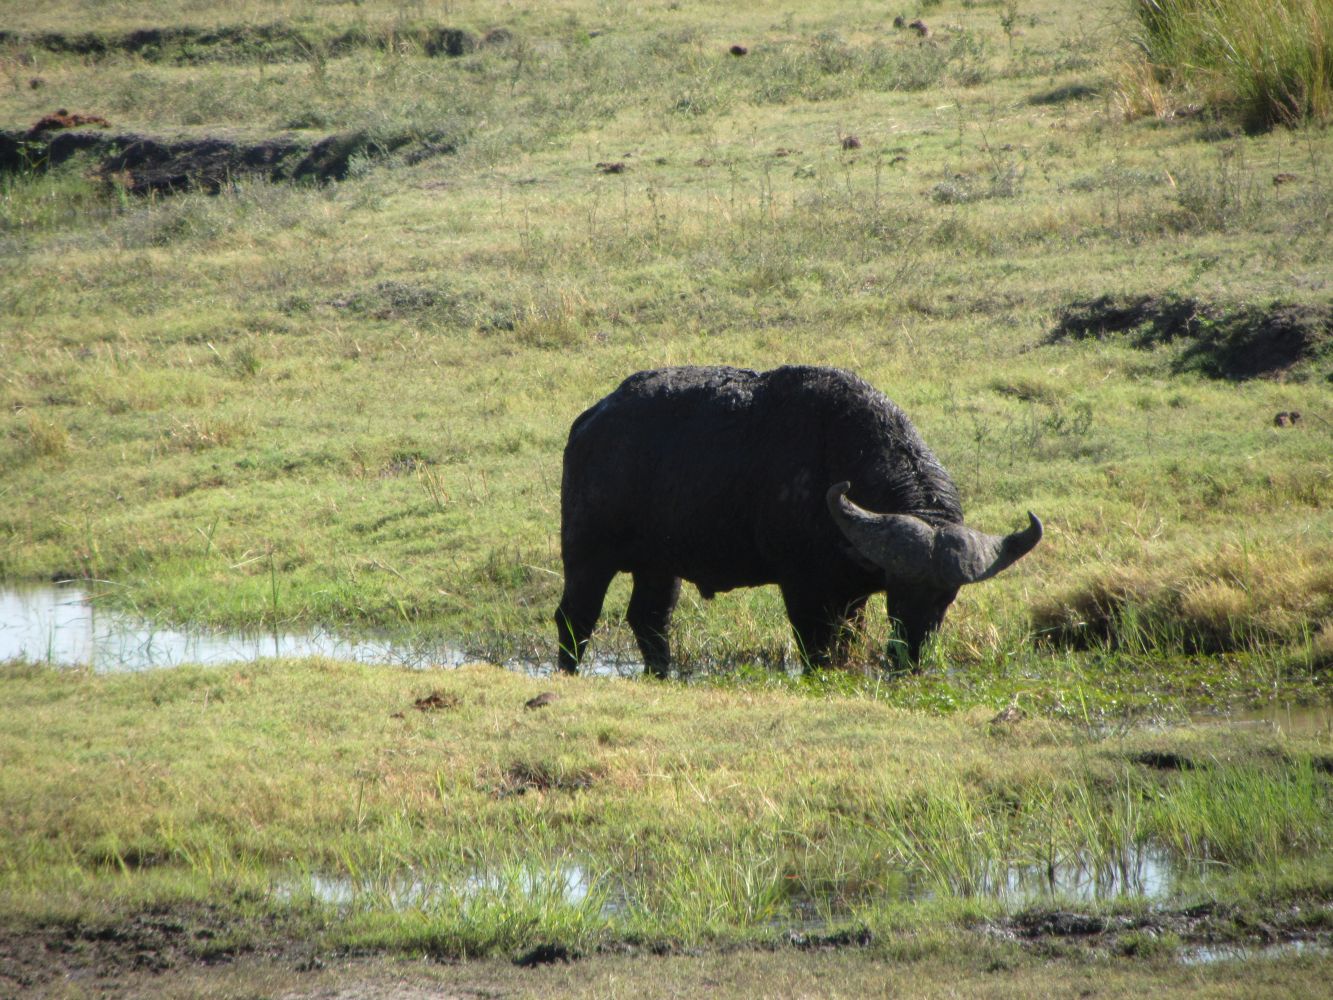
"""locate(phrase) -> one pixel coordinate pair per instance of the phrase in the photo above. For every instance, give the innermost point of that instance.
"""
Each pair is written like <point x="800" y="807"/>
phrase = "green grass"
<point x="1268" y="64"/>
<point x="621" y="812"/>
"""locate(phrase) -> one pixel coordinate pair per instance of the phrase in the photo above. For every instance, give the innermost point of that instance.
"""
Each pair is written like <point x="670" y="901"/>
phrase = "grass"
<point x="620" y="812"/>
<point x="290" y="405"/>
<point x="1267" y="64"/>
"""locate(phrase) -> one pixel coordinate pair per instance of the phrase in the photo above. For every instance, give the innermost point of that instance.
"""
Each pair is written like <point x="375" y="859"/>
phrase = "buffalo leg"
<point x="576" y="617"/>
<point x="649" y="615"/>
<point x="816" y="626"/>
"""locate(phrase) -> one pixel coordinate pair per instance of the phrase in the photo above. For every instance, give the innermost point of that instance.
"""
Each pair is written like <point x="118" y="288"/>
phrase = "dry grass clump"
<point x="40" y="437"/>
<point x="1230" y="600"/>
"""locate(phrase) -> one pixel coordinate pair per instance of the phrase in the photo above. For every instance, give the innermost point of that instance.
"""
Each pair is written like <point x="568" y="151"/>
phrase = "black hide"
<point x="718" y="476"/>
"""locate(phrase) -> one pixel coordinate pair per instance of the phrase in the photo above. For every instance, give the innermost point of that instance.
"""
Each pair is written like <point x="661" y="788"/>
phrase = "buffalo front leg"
<point x="649" y="615"/>
<point x="576" y="616"/>
<point x="816" y="624"/>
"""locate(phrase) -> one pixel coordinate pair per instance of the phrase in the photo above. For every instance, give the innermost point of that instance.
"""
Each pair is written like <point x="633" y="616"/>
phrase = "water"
<point x="1146" y="873"/>
<point x="63" y="626"/>
<point x="1138" y="873"/>
<point x="1212" y="953"/>
<point x="1284" y="717"/>
<point x="565" y="884"/>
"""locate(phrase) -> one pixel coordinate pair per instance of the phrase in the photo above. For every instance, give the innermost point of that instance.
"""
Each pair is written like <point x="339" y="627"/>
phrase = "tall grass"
<point x="1269" y="63"/>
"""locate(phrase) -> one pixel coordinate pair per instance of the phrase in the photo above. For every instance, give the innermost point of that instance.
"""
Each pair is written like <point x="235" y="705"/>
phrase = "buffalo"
<point x="806" y="477"/>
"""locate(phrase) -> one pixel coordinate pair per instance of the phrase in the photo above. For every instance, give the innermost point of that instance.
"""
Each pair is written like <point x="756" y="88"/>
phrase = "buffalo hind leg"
<point x="576" y="617"/>
<point x="649" y="615"/>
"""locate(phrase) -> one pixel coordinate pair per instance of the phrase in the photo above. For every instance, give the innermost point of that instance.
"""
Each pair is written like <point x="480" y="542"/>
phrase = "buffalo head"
<point x="924" y="564"/>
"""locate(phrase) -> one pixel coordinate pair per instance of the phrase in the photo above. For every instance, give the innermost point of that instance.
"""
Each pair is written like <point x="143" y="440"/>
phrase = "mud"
<point x="1210" y="925"/>
<point x="1235" y="342"/>
<point x="99" y="954"/>
<point x="144" y="164"/>
<point x="150" y="950"/>
<point x="63" y="119"/>
<point x="185" y="45"/>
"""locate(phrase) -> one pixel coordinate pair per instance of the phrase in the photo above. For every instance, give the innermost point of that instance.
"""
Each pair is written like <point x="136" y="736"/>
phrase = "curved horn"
<point x="899" y="544"/>
<point x="908" y="547"/>
<point x="968" y="556"/>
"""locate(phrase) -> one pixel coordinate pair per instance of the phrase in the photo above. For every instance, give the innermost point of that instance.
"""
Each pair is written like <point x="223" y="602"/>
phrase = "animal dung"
<point x="1288" y="418"/>
<point x="851" y="142"/>
<point x="612" y="168"/>
<point x="920" y="28"/>
<point x="542" y="700"/>
<point x="738" y="50"/>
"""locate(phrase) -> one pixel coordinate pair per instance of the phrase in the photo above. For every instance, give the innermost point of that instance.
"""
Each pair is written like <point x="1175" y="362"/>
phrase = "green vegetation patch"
<point x="186" y="45"/>
<point x="481" y="812"/>
<point x="1265" y="63"/>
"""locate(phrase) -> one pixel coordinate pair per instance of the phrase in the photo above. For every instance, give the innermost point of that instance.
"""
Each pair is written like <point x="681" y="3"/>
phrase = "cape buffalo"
<point x="734" y="478"/>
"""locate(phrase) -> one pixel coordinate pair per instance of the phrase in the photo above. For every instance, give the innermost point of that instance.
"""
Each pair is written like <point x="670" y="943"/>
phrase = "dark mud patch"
<point x="525" y="776"/>
<point x="101" y="953"/>
<point x="143" y="164"/>
<point x="63" y="119"/>
<point x="1208" y="925"/>
<point x="185" y="45"/>
<point x="1221" y="341"/>
<point x="1163" y="760"/>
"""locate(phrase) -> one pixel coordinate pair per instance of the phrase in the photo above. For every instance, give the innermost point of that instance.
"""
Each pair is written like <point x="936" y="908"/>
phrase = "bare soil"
<point x="144" y="164"/>
<point x="174" y="951"/>
<point x="1224" y="341"/>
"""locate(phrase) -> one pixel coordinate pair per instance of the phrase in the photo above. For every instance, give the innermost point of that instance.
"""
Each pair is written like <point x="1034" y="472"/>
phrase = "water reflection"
<point x="564" y="885"/>
<point x="1212" y="953"/>
<point x="1137" y="873"/>
<point x="1284" y="717"/>
<point x="63" y="626"/>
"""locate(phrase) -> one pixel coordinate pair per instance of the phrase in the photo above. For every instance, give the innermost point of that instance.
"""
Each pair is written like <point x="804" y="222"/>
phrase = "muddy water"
<point x="1284" y="717"/>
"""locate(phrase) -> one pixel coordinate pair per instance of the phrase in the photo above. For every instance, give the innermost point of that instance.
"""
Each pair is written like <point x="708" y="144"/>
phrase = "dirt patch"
<point x="185" y="45"/>
<point x="143" y="164"/>
<point x="102" y="953"/>
<point x="1045" y="929"/>
<point x="1163" y="760"/>
<point x="1220" y="341"/>
<point x="176" y="950"/>
<point x="64" y="119"/>
<point x="524" y="776"/>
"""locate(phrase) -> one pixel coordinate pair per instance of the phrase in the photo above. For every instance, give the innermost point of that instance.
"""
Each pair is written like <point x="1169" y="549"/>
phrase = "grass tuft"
<point x="1266" y="63"/>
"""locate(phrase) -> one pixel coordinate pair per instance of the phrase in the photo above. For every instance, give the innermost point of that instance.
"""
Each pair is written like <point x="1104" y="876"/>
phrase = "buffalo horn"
<point x="907" y="547"/>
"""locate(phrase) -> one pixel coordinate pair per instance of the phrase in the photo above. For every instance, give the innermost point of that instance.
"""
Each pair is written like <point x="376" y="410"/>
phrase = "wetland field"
<point x="298" y="300"/>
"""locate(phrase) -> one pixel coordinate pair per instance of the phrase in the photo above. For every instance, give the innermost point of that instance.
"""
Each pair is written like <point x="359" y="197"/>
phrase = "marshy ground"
<point x="297" y="303"/>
